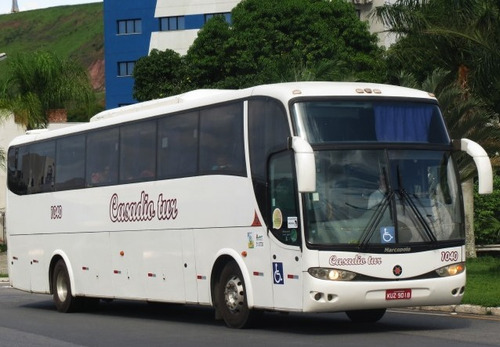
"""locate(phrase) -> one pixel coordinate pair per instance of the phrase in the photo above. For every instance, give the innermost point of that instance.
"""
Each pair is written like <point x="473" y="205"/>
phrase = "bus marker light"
<point x="200" y="277"/>
<point x="117" y="272"/>
<point x="84" y="268"/>
<point x="151" y="274"/>
<point x="122" y="253"/>
<point x="292" y="277"/>
<point x="244" y="254"/>
<point x="256" y="273"/>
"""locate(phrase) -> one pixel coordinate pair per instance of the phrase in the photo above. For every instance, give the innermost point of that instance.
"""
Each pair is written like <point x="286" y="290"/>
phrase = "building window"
<point x="172" y="23"/>
<point x="226" y="15"/>
<point x="125" y="68"/>
<point x="129" y="26"/>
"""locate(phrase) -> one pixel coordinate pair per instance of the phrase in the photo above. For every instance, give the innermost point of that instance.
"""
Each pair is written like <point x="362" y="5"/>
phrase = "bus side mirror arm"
<point x="483" y="164"/>
<point x="305" y="164"/>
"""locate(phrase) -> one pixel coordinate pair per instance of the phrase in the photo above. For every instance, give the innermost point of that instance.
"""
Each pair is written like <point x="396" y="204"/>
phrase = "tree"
<point x="159" y="75"/>
<point x="459" y="37"/>
<point x="282" y="40"/>
<point x="40" y="83"/>
<point x="272" y="41"/>
<point x="466" y="116"/>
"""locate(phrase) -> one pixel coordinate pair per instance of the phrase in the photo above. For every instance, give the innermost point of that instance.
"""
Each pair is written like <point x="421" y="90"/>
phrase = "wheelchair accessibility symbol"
<point x="278" y="273"/>
<point x="387" y="235"/>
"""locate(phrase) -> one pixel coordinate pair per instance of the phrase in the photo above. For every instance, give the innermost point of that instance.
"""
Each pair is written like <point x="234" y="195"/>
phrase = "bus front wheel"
<point x="61" y="289"/>
<point x="231" y="298"/>
<point x="366" y="316"/>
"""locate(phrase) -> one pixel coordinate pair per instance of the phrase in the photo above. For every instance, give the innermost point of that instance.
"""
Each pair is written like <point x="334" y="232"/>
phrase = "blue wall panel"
<point x="121" y="48"/>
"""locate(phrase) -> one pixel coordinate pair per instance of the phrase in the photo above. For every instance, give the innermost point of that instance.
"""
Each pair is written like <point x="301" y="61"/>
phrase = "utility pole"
<point x="15" y="7"/>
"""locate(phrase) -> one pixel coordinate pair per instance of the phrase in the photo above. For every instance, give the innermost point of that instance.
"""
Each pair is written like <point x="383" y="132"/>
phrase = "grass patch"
<point x="483" y="282"/>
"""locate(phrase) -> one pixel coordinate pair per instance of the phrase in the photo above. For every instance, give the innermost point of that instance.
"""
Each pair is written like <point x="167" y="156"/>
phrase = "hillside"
<point x="74" y="31"/>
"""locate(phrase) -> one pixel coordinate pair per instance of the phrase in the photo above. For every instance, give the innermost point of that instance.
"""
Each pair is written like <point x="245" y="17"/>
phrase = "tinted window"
<point x="138" y="152"/>
<point x="284" y="211"/>
<point x="178" y="145"/>
<point x="221" y="140"/>
<point x="70" y="162"/>
<point x="268" y="132"/>
<point x="18" y="169"/>
<point x="42" y="175"/>
<point x="102" y="157"/>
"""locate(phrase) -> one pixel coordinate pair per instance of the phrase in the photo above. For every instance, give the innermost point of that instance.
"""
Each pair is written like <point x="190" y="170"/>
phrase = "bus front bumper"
<point x="334" y="296"/>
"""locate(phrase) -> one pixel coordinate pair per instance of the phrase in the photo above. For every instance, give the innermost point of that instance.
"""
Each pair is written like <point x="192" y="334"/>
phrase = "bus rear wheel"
<point x="231" y="298"/>
<point x="366" y="316"/>
<point x="61" y="289"/>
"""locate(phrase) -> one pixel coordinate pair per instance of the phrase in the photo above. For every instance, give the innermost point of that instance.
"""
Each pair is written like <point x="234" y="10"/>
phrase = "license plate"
<point x="398" y="294"/>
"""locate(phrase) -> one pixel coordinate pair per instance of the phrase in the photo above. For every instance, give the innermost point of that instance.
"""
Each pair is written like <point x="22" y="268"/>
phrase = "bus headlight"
<point x="331" y="274"/>
<point x="451" y="270"/>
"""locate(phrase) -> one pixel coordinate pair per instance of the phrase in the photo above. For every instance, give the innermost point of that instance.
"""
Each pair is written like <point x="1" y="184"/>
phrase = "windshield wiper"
<point x="375" y="220"/>
<point x="406" y="197"/>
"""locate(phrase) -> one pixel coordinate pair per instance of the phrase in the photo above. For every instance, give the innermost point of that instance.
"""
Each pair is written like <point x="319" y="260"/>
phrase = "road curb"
<point x="464" y="308"/>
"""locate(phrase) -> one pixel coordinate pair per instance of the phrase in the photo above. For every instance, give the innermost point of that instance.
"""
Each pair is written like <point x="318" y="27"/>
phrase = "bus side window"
<point x="138" y="152"/>
<point x="18" y="169"/>
<point x="102" y="158"/>
<point x="42" y="171"/>
<point x="70" y="162"/>
<point x="268" y="132"/>
<point x="178" y="145"/>
<point x="221" y="140"/>
<point x="283" y="193"/>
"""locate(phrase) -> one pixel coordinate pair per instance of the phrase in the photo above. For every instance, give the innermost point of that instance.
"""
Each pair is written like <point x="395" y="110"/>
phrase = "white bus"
<point x="294" y="197"/>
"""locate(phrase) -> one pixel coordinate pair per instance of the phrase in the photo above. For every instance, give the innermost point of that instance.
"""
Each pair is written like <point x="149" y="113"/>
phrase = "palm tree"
<point x="458" y="36"/>
<point x="466" y="116"/>
<point x="40" y="83"/>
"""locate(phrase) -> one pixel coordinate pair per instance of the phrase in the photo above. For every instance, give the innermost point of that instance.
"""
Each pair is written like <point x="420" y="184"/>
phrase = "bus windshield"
<point x="383" y="197"/>
<point x="323" y="121"/>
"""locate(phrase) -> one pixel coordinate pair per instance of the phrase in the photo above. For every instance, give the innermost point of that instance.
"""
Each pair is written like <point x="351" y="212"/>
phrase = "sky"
<point x="26" y="5"/>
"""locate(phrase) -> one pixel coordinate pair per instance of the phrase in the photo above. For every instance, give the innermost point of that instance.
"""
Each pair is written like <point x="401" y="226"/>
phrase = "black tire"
<point x="231" y="298"/>
<point x="61" y="290"/>
<point x="366" y="316"/>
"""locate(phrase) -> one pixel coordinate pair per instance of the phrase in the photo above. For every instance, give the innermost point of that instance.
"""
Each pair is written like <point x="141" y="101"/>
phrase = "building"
<point x="133" y="28"/>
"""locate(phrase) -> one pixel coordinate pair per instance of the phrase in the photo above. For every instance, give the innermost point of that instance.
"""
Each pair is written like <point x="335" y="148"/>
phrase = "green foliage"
<point x="483" y="281"/>
<point x="487" y="215"/>
<point x="269" y="41"/>
<point x="74" y="32"/>
<point x="159" y="75"/>
<point x="460" y="37"/>
<point x="40" y="82"/>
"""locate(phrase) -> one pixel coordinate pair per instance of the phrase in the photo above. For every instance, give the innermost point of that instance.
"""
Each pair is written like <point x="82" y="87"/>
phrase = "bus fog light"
<point x="331" y="274"/>
<point x="451" y="270"/>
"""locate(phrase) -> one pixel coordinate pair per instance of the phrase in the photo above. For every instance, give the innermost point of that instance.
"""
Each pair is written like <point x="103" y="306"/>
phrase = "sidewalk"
<point x="468" y="309"/>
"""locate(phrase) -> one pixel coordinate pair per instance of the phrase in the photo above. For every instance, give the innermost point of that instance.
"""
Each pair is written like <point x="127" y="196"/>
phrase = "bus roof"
<point x="202" y="97"/>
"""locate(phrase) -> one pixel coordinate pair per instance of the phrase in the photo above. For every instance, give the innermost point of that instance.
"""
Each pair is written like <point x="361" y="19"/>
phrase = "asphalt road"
<point x="31" y="320"/>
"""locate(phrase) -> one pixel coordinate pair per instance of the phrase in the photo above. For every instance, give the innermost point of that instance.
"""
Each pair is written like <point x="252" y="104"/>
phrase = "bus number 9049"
<point x="56" y="212"/>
